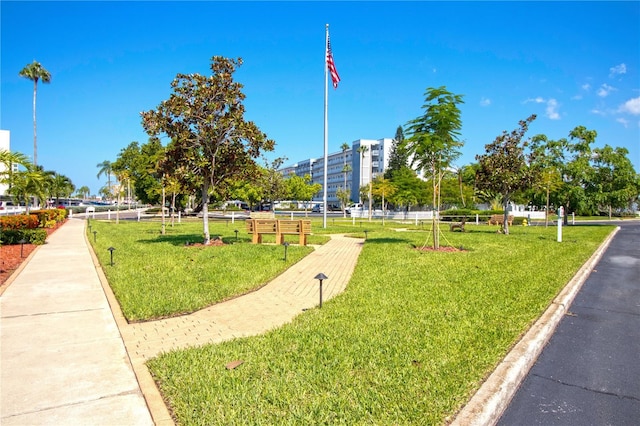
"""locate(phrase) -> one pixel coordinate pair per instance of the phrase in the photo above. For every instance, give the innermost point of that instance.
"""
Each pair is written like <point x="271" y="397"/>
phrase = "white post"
<point x="138" y="215"/>
<point x="179" y="216"/>
<point x="233" y="217"/>
<point x="70" y="213"/>
<point x="573" y="218"/>
<point x="477" y="219"/>
<point x="416" y="218"/>
<point x="109" y="214"/>
<point x="560" y="216"/>
<point x="291" y="215"/>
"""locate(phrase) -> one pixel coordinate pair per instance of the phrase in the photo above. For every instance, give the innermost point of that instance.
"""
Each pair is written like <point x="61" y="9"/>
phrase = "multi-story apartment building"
<point x="363" y="165"/>
<point x="5" y="145"/>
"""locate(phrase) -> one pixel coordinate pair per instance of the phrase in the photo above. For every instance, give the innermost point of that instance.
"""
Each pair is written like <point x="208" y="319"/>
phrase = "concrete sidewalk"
<point x="63" y="342"/>
<point x="62" y="358"/>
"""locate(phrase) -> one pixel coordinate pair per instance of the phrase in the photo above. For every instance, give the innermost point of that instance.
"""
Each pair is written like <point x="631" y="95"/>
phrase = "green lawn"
<point x="409" y="341"/>
<point x="156" y="275"/>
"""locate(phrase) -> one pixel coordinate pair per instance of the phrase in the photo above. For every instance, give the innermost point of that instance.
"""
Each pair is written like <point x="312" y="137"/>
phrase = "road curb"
<point x="490" y="401"/>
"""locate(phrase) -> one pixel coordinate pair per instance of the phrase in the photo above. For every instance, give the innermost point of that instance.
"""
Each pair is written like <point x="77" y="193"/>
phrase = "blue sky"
<point x="571" y="63"/>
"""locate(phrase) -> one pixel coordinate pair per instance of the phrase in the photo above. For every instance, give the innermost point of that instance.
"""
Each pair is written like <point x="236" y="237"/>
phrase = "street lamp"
<point x="320" y="277"/>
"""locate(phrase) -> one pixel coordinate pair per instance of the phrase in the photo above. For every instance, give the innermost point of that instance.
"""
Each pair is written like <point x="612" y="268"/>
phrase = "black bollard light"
<point x="95" y="236"/>
<point x="366" y="232"/>
<point x="320" y="277"/>
<point x="22" y="241"/>
<point x="111" y="249"/>
<point x="286" y="246"/>
<point x="236" y="231"/>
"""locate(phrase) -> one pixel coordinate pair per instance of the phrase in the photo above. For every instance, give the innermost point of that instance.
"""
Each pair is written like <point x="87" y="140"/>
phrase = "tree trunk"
<point x="546" y="213"/>
<point x="434" y="220"/>
<point x="205" y="213"/>
<point x="35" y="138"/>
<point x="505" y="224"/>
<point x="162" y="210"/>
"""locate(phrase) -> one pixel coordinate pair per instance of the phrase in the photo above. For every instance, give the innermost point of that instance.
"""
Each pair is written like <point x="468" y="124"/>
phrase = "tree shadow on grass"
<point x="192" y="239"/>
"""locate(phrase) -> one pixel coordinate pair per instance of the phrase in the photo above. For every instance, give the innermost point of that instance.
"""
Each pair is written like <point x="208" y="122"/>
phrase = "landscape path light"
<point x="236" y="231"/>
<point x="111" y="249"/>
<point x="286" y="246"/>
<point x="320" y="277"/>
<point x="22" y="241"/>
<point x="95" y="236"/>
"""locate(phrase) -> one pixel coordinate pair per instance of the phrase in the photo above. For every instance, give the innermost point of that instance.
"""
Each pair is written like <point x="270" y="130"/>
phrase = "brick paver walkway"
<point x="273" y="305"/>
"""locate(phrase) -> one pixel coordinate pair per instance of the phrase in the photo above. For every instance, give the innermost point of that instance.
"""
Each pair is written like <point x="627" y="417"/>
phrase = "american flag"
<point x="335" y="78"/>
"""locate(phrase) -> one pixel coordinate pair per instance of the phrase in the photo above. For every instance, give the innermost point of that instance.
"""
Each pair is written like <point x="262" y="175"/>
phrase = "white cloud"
<point x="552" y="110"/>
<point x="623" y="121"/>
<point x="618" y="69"/>
<point x="576" y="97"/>
<point x="604" y="90"/>
<point x="485" y="102"/>
<point x="598" y="112"/>
<point x="586" y="86"/>
<point x="537" y="100"/>
<point x="632" y="106"/>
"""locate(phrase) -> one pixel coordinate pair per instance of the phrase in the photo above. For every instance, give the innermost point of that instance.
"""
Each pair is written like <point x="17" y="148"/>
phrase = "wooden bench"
<point x="302" y="228"/>
<point x="458" y="225"/>
<point x="282" y="227"/>
<point x="498" y="219"/>
<point x="259" y="227"/>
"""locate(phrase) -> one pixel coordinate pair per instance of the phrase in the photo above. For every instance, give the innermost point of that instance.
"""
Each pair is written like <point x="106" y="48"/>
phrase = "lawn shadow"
<point x="190" y="239"/>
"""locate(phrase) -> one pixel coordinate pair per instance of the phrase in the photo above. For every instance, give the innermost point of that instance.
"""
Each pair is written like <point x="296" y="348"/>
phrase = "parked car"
<point x="354" y="206"/>
<point x="317" y="208"/>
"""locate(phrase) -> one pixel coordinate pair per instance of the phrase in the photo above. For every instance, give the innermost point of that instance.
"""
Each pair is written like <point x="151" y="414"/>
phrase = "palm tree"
<point x="59" y="186"/>
<point x="84" y="192"/>
<point x="28" y="183"/>
<point x="105" y="168"/>
<point x="35" y="72"/>
<point x="7" y="160"/>
<point x="362" y="149"/>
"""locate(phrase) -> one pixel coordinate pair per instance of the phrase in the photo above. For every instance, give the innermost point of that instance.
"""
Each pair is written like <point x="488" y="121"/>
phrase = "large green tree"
<point x="35" y="72"/>
<point x="505" y="167"/>
<point x="302" y="188"/>
<point x="212" y="144"/>
<point x="615" y="184"/>
<point x="398" y="157"/>
<point x="433" y="141"/>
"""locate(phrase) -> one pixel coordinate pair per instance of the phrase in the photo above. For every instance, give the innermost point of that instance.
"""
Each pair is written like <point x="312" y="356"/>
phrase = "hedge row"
<point x="33" y="220"/>
<point x="26" y="236"/>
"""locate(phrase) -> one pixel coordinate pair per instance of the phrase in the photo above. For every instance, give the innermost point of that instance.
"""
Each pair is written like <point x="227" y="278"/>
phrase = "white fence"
<point x="428" y="215"/>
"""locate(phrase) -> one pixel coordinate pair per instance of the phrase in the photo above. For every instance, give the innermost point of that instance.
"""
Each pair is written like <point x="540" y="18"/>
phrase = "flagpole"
<point x="326" y="125"/>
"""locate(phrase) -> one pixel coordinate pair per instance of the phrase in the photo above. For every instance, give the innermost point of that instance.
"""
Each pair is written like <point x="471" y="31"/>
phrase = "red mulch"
<point x="12" y="256"/>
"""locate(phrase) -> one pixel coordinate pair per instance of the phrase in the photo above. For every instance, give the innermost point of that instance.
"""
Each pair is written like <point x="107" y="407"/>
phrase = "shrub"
<point x="30" y="236"/>
<point x="19" y="221"/>
<point x="49" y="218"/>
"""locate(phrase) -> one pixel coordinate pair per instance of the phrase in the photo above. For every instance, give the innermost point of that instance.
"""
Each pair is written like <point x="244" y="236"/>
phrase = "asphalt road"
<point x="589" y="371"/>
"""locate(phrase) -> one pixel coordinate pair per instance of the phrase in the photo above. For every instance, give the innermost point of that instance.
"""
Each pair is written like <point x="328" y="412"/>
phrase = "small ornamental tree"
<point x="505" y="168"/>
<point x="212" y="145"/>
<point x="432" y="141"/>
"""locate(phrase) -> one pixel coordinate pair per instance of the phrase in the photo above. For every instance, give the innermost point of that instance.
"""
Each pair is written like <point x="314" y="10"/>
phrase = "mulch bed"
<point x="12" y="256"/>
<point x="441" y="249"/>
